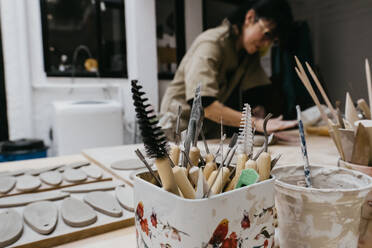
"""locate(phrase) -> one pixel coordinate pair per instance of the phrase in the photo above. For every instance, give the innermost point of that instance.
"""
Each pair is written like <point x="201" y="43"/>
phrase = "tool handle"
<point x="362" y="104"/>
<point x="208" y="169"/>
<point x="221" y="180"/>
<point x="166" y="175"/>
<point x="183" y="183"/>
<point x="264" y="166"/>
<point x="194" y="175"/>
<point x="212" y="177"/>
<point x="209" y="158"/>
<point x="175" y="154"/>
<point x="251" y="164"/>
<point x="240" y="166"/>
<point x="194" y="155"/>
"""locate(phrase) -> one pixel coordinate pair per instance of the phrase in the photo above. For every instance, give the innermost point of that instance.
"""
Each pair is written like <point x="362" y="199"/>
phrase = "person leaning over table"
<point x="226" y="62"/>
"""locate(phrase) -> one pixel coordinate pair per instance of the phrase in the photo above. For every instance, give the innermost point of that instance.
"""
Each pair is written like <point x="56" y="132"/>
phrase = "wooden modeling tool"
<point x="275" y="160"/>
<point x="209" y="156"/>
<point x="303" y="149"/>
<point x="154" y="139"/>
<point x="183" y="182"/>
<point x="361" y="149"/>
<point x="351" y="113"/>
<point x="264" y="160"/>
<point x="142" y="158"/>
<point x="194" y="153"/>
<point x="335" y="135"/>
<point x="363" y="106"/>
<point x="306" y="82"/>
<point x="247" y="177"/>
<point x="11" y="227"/>
<point x="175" y="149"/>
<point x="76" y="213"/>
<point x="41" y="216"/>
<point x="347" y="142"/>
<point x="322" y="92"/>
<point x="369" y="84"/>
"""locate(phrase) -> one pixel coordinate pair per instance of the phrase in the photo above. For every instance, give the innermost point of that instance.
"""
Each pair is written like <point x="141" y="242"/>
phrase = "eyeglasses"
<point x="268" y="34"/>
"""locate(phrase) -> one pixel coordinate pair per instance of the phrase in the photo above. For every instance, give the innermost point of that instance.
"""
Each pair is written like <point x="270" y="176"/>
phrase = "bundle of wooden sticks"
<point x="351" y="133"/>
<point x="198" y="176"/>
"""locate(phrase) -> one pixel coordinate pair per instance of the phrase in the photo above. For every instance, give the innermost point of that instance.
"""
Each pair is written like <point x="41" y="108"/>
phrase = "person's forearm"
<point x="216" y="110"/>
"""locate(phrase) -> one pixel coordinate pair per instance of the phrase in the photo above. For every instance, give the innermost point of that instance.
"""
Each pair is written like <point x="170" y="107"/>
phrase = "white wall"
<point x="342" y="39"/>
<point x="30" y="93"/>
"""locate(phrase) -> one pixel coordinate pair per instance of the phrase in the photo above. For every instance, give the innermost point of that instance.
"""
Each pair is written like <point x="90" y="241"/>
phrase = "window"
<point x="170" y="31"/>
<point x="84" y="38"/>
<point x="214" y="11"/>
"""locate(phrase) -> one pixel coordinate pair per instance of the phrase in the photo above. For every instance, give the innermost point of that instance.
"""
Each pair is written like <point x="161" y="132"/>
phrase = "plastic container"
<point x="327" y="215"/>
<point x="365" y="238"/>
<point x="239" y="218"/>
<point x="22" y="149"/>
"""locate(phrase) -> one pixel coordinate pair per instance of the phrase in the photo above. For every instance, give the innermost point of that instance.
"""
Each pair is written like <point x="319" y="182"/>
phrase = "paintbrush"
<point x="142" y="158"/>
<point x="303" y="149"/>
<point x="175" y="149"/>
<point x="155" y="142"/>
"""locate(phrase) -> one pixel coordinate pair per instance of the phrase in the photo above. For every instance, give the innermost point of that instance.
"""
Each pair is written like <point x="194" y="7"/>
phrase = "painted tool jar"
<point x="365" y="238"/>
<point x="326" y="215"/>
<point x="240" y="218"/>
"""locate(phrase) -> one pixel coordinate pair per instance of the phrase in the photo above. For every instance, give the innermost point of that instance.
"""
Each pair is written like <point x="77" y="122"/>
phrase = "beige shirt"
<point x="214" y="62"/>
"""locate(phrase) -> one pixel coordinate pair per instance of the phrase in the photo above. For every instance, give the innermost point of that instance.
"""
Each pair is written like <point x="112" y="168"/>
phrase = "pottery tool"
<point x="369" y="84"/>
<point x="339" y="118"/>
<point x="142" y="158"/>
<point x="322" y="92"/>
<point x="7" y="183"/>
<point x="209" y="156"/>
<point x="275" y="160"/>
<point x="41" y="216"/>
<point x="264" y="160"/>
<point x="76" y="213"/>
<point x="103" y="202"/>
<point x="363" y="106"/>
<point x="262" y="149"/>
<point x="361" y="149"/>
<point x="175" y="149"/>
<point x="194" y="152"/>
<point x="197" y="116"/>
<point x="11" y="227"/>
<point x="306" y="82"/>
<point x="124" y="195"/>
<point x="21" y="200"/>
<point x="155" y="142"/>
<point x="232" y="144"/>
<point x="303" y="149"/>
<point x="247" y="177"/>
<point x="347" y="141"/>
<point x="334" y="133"/>
<point x="183" y="182"/>
<point x="351" y="113"/>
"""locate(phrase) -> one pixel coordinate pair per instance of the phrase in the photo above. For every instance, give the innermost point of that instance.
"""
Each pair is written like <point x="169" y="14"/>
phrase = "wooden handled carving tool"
<point x="175" y="149"/>
<point x="369" y="84"/>
<point x="264" y="160"/>
<point x="194" y="151"/>
<point x="275" y="160"/>
<point x="262" y="149"/>
<point x="320" y="88"/>
<point x="361" y="147"/>
<point x="155" y="142"/>
<point x="306" y="82"/>
<point x="363" y="106"/>
<point x="351" y="113"/>
<point x="183" y="182"/>
<point x="232" y="143"/>
<point x="209" y="157"/>
<point x="142" y="158"/>
<point x="303" y="149"/>
<point x="339" y="116"/>
<point x="190" y="172"/>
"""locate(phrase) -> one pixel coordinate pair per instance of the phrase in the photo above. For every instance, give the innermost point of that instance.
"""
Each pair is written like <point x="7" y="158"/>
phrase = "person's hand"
<point x="273" y="125"/>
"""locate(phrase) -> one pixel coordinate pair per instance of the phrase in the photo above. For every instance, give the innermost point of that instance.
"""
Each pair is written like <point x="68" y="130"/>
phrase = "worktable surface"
<point x="321" y="151"/>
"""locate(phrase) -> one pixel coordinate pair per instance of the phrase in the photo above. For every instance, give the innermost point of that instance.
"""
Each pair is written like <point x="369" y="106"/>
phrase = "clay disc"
<point x="104" y="202"/>
<point x="41" y="216"/>
<point x="124" y="195"/>
<point x="93" y="171"/>
<point x="27" y="183"/>
<point x="51" y="177"/>
<point x="74" y="175"/>
<point x="11" y="227"/>
<point x="127" y="164"/>
<point x="76" y="213"/>
<point x="7" y="183"/>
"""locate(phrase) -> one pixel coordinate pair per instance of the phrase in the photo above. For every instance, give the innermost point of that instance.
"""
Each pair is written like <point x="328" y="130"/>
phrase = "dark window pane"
<point x="84" y="38"/>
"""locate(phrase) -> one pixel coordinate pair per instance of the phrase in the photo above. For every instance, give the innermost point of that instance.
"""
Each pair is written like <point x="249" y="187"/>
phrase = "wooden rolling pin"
<point x="183" y="183"/>
<point x="240" y="166"/>
<point x="166" y="175"/>
<point x="264" y="166"/>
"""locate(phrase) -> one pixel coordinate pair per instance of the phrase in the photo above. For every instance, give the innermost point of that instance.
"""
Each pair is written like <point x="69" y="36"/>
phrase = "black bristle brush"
<point x="156" y="144"/>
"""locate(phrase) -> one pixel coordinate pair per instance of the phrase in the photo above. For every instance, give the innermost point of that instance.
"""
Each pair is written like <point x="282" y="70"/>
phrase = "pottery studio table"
<point x="321" y="151"/>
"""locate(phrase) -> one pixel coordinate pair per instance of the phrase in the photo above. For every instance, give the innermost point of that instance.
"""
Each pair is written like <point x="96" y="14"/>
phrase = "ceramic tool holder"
<point x="244" y="215"/>
<point x="323" y="216"/>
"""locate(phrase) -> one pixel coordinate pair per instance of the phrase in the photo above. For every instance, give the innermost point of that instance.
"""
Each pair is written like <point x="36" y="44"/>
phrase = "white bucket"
<point x="327" y="215"/>
<point x="242" y="217"/>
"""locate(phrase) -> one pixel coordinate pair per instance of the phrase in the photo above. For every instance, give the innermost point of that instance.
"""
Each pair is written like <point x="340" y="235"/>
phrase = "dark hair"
<point x="276" y="11"/>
